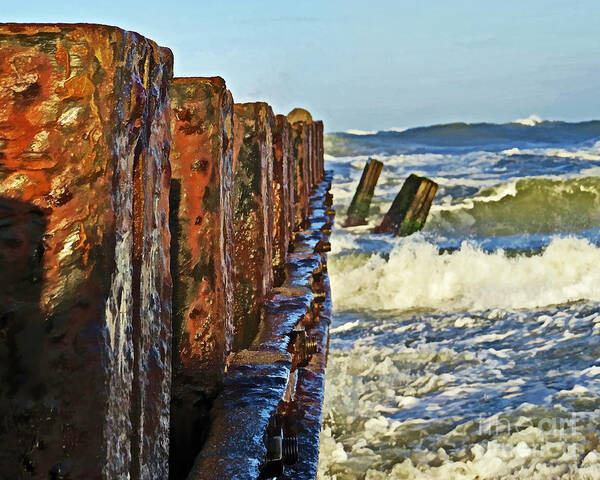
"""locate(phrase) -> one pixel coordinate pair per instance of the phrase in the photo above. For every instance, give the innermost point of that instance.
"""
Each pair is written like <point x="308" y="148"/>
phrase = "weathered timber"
<point x="316" y="171"/>
<point x="85" y="288"/>
<point x="361" y="202"/>
<point x="277" y="382"/>
<point x="253" y="216"/>
<point x="301" y="179"/>
<point x="299" y="115"/>
<point x="312" y="157"/>
<point x="291" y="200"/>
<point x="282" y="198"/>
<point x="410" y="208"/>
<point x="201" y="221"/>
<point x="320" y="152"/>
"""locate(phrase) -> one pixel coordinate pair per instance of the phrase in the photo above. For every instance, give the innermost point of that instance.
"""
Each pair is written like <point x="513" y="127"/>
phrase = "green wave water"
<point x="526" y="206"/>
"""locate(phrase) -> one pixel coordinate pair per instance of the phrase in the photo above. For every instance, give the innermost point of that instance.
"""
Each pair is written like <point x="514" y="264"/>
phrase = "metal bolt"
<point x="322" y="246"/>
<point x="327" y="225"/>
<point x="320" y="296"/>
<point x="319" y="271"/>
<point x="311" y="344"/>
<point x="290" y="450"/>
<point x="298" y="344"/>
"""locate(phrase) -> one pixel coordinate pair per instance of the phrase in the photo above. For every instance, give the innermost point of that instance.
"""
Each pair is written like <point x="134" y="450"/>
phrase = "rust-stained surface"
<point x="85" y="291"/>
<point x="299" y="148"/>
<point x="290" y="203"/>
<point x="282" y="199"/>
<point x="319" y="150"/>
<point x="299" y="115"/>
<point x="201" y="221"/>
<point x="312" y="154"/>
<point x="271" y="377"/>
<point x="253" y="215"/>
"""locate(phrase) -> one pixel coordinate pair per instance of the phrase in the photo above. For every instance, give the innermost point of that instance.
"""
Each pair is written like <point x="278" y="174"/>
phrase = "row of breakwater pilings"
<point x="162" y="267"/>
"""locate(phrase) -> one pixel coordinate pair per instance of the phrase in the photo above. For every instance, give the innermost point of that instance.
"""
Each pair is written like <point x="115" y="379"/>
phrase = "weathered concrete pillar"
<point x="281" y="196"/>
<point x="410" y="208"/>
<point x="85" y="288"/>
<point x="253" y="215"/>
<point x="201" y="221"/>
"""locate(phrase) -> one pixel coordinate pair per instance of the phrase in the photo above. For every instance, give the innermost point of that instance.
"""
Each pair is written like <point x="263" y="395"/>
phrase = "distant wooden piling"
<point x="299" y="152"/>
<point x="320" y="150"/>
<point x="409" y="211"/>
<point x="359" y="208"/>
<point x="282" y="196"/>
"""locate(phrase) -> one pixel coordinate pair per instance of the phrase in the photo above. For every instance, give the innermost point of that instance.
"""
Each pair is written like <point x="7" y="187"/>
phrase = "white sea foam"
<point x="354" y="131"/>
<point x="361" y="132"/>
<point x="345" y="327"/>
<point x="589" y="153"/>
<point x="369" y="384"/>
<point x="530" y="121"/>
<point x="416" y="276"/>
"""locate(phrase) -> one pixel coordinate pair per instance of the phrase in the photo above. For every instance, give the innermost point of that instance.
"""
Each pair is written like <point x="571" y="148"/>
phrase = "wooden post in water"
<point x="411" y="206"/>
<point x="359" y="208"/>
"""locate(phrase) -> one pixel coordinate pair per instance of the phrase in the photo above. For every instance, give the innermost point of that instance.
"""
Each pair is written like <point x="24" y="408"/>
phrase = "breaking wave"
<point x="530" y="121"/>
<point x="417" y="276"/>
<point x="525" y="206"/>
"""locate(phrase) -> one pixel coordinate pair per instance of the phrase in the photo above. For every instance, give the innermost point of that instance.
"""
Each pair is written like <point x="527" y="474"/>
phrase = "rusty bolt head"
<point x="290" y="450"/>
<point x="320" y="296"/>
<point x="311" y="344"/>
<point x="322" y="246"/>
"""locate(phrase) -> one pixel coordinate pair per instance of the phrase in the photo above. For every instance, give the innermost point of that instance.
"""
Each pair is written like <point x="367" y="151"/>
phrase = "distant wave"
<point x="531" y="132"/>
<point x="353" y="131"/>
<point x="361" y="132"/>
<point x="530" y="121"/>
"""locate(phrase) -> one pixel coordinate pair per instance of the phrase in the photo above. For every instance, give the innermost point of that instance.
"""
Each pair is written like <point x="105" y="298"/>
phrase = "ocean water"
<point x="470" y="350"/>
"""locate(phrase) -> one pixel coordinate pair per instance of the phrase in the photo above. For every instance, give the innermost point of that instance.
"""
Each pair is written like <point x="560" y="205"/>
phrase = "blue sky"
<point x="374" y="65"/>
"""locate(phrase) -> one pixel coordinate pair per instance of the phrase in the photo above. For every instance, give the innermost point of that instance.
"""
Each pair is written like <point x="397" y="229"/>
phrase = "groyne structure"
<point x="164" y="298"/>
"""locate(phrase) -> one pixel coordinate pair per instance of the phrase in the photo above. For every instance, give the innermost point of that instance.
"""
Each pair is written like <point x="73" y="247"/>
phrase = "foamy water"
<point x="415" y="275"/>
<point x="469" y="350"/>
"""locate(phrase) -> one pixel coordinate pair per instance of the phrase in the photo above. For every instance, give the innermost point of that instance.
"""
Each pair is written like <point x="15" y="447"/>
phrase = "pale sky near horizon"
<point x="374" y="65"/>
